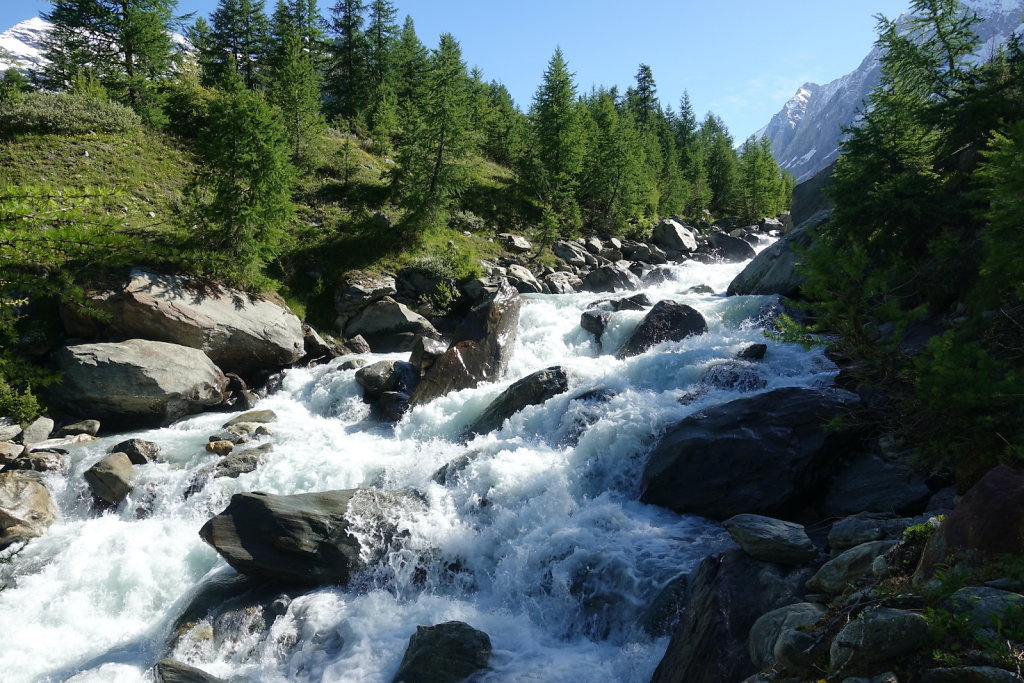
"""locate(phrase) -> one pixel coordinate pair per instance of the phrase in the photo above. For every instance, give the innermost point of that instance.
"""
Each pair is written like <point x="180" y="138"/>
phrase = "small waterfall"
<point x="536" y="537"/>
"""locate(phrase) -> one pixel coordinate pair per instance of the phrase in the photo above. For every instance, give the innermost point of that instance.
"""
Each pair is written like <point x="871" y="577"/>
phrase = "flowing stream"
<point x="539" y="540"/>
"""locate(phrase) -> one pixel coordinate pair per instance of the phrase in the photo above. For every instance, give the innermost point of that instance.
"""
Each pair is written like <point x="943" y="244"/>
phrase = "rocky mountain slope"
<point x="21" y="46"/>
<point x="806" y="133"/>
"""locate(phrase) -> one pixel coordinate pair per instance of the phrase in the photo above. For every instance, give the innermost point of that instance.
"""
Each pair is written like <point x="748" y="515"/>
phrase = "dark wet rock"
<point x="303" y="538"/>
<point x="529" y="391"/>
<point x="111" y="479"/>
<point x="480" y="348"/>
<point x="387" y="375"/>
<point x="90" y="427"/>
<point x="393" y="405"/>
<point x="734" y="376"/>
<point x="444" y="653"/>
<point x="731" y="249"/>
<point x="970" y="674"/>
<point x="765" y="454"/>
<point x="879" y="635"/>
<point x="771" y="540"/>
<point x="242" y="462"/>
<point x="317" y="349"/>
<point x="137" y="382"/>
<point x="139" y="451"/>
<point x="26" y="508"/>
<point x="663" y="613"/>
<point x="357" y="344"/>
<point x="865" y="527"/>
<point x="870" y="484"/>
<point x="987" y="608"/>
<point x="173" y="671"/>
<point x="729" y="593"/>
<point x="595" y="322"/>
<point x="425" y="353"/>
<point x="667" y="321"/>
<point x="700" y="289"/>
<point x="773" y="271"/>
<point x="842" y="572"/>
<point x="753" y="352"/>
<point x="610" y="279"/>
<point x="765" y="632"/>
<point x="453" y="469"/>
<point x="637" y="302"/>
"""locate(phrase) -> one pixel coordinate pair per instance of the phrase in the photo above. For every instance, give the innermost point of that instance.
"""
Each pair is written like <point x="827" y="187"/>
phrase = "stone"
<point x="357" y="344"/>
<point x="444" y="653"/>
<point x="389" y="326"/>
<point x="595" y="322"/>
<point x="753" y="352"/>
<point x="571" y="253"/>
<point x="865" y="527"/>
<point x="671" y="234"/>
<point x="393" y="405"/>
<point x="792" y="649"/>
<point x="242" y="462"/>
<point x="514" y="243"/>
<point x="765" y="454"/>
<point x="610" y="279"/>
<point x="773" y="271"/>
<point x="970" y="674"/>
<point x="357" y="289"/>
<point x="9" y="429"/>
<point x="220" y="447"/>
<point x="637" y="302"/>
<point x="563" y="283"/>
<point x="260" y="416"/>
<point x="10" y="451"/>
<point x="303" y="538"/>
<point x="879" y="635"/>
<point x="870" y="484"/>
<point x="137" y="383"/>
<point x="667" y="321"/>
<point x="111" y="479"/>
<point x="238" y="331"/>
<point x="531" y="390"/>
<point x="734" y="376"/>
<point x="523" y="280"/>
<point x="90" y="427"/>
<point x="26" y="508"/>
<point x="173" y="671"/>
<point x="843" y="572"/>
<point x="988" y="522"/>
<point x="39" y="460"/>
<point x="729" y="593"/>
<point x="317" y="349"/>
<point x="387" y="375"/>
<point x="37" y="431"/>
<point x="771" y="540"/>
<point x="987" y="608"/>
<point x="138" y="451"/>
<point x="731" y="249"/>
<point x="449" y="472"/>
<point x="765" y="632"/>
<point x="593" y="245"/>
<point x="480" y="349"/>
<point x="425" y="353"/>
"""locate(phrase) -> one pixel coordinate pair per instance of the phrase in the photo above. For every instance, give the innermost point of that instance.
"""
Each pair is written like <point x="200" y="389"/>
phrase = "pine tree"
<point x="410" y="61"/>
<point x="762" y="185"/>
<point x="125" y="44"/>
<point x="381" y="35"/>
<point x="239" y="41"/>
<point x="346" y="84"/>
<point x="295" y="90"/>
<point x="438" y="140"/>
<point x="643" y="99"/>
<point x="558" y="147"/>
<point x="243" y="190"/>
<point x="721" y="164"/>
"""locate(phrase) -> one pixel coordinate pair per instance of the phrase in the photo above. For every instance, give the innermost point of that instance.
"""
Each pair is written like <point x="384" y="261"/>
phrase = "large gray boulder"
<point x="871" y="484"/>
<point x="389" y="326"/>
<point x="765" y="632"/>
<point x="878" y="636"/>
<point x="764" y="454"/>
<point x="529" y="391"/>
<point x="173" y="671"/>
<point x="37" y="431"/>
<point x="730" y="249"/>
<point x="302" y="538"/>
<point x="970" y="674"/>
<point x="137" y="382"/>
<point x="729" y="593"/>
<point x="111" y="479"/>
<point x="771" y="540"/>
<point x="986" y="607"/>
<point x="865" y="527"/>
<point x="445" y="653"/>
<point x="610" y="279"/>
<point x="671" y="234"/>
<point x="26" y="508"/>
<point x="773" y="271"/>
<point x="357" y="289"/>
<point x="842" y="572"/>
<point x="480" y="349"/>
<point x="667" y="321"/>
<point x="239" y="332"/>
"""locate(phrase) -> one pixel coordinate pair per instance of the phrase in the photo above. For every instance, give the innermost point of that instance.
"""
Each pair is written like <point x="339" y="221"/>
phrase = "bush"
<point x="65" y="114"/>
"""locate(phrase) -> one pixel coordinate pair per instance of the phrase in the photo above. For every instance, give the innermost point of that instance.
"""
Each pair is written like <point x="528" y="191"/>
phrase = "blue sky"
<point x="742" y="59"/>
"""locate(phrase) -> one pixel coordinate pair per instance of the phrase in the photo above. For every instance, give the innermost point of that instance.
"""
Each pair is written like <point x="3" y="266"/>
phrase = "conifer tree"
<point x="762" y="186"/>
<point x="243" y="190"/>
<point x="295" y="90"/>
<point x="613" y="181"/>
<point x="239" y="41"/>
<point x="721" y="164"/>
<point x="409" y="61"/>
<point x="125" y="44"/>
<point x="505" y="128"/>
<point x="346" y="84"/>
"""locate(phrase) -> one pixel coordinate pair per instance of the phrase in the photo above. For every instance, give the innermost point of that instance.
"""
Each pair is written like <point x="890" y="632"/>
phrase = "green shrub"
<point x="65" y="114"/>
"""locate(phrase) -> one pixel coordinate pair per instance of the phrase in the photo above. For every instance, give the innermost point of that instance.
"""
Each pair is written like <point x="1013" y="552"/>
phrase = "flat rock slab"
<point x="771" y="540"/>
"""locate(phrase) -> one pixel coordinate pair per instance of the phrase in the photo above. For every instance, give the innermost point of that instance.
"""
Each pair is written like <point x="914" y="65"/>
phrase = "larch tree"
<point x="346" y="76"/>
<point x="294" y="87"/>
<point x="239" y="40"/>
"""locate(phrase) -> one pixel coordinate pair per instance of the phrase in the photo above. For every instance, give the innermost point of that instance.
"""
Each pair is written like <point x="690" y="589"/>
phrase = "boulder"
<point x="610" y="279"/>
<point x="444" y="653"/>
<point x="220" y="446"/>
<point x="794" y="649"/>
<point x="988" y="522"/>
<point x="595" y="322"/>
<point x="9" y="451"/>
<point x="729" y="593"/>
<point x="765" y="632"/>
<point x="515" y="243"/>
<point x="173" y="671"/>
<point x="764" y="454"/>
<point x="649" y="254"/>
<point x="870" y="484"/>
<point x="138" y="451"/>
<point x="425" y="352"/>
<point x="529" y="391"/>
<point x="26" y="508"/>
<point x="866" y="527"/>
<point x="137" y="382"/>
<point x="357" y="344"/>
<point x="731" y="249"/>
<point x="753" y="352"/>
<point x="773" y="271"/>
<point x="387" y="375"/>
<point x="970" y="674"/>
<point x="667" y="321"/>
<point x="773" y="224"/>
<point x="241" y="462"/>
<point x="302" y="538"/>
<point x="9" y="429"/>
<point x="36" y="460"/>
<point x="111" y="479"/>
<point x="771" y="540"/>
<point x="260" y="416"/>
<point x="90" y="427"/>
<point x="523" y="280"/>
<point x="987" y="608"/>
<point x="317" y="349"/>
<point x="572" y="253"/>
<point x="480" y="348"/>
<point x="593" y="245"/>
<point x="878" y="636"/>
<point x="389" y="326"/>
<point x="239" y="332"/>
<point x="844" y="571"/>
<point x="37" y="431"/>
<point x="671" y="234"/>
<point x="734" y="376"/>
<point x="562" y="283"/>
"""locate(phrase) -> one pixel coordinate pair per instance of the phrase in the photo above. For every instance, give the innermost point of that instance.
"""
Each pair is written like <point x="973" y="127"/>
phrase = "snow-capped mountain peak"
<point x="21" y="46"/>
